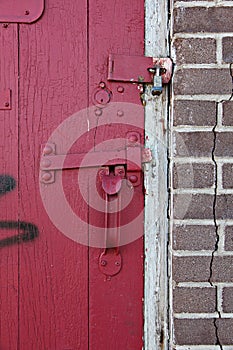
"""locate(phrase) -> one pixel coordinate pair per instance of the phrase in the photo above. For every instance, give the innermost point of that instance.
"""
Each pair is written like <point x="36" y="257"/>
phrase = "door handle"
<point x="110" y="260"/>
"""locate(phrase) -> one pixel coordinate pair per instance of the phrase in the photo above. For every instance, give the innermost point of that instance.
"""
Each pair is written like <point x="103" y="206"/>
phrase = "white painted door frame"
<point x="156" y="328"/>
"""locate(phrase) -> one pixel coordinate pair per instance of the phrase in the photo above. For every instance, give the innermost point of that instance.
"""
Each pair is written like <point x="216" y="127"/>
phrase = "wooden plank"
<point x="116" y="306"/>
<point x="9" y="189"/>
<point x="156" y="199"/>
<point x="53" y="269"/>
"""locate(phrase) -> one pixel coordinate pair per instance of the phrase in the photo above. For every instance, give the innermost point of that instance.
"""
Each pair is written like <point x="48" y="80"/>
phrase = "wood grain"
<point x="9" y="198"/>
<point x="53" y="269"/>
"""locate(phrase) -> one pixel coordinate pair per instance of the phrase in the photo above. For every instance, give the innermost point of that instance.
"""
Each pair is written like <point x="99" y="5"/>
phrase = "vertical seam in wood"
<point x="18" y="179"/>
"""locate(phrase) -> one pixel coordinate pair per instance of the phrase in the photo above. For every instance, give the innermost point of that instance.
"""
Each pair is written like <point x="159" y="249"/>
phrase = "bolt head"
<point x="102" y="85"/>
<point x="133" y="138"/>
<point x="133" y="179"/>
<point x="47" y="176"/>
<point x="46" y="163"/>
<point x="47" y="150"/>
<point x="120" y="113"/>
<point x="98" y="112"/>
<point x="120" y="89"/>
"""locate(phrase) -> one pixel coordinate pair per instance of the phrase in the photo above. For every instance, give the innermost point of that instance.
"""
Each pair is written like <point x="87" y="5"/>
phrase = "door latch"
<point x="141" y="70"/>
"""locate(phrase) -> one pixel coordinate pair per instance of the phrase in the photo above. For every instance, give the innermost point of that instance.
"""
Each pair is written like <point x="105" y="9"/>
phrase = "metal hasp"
<point x="140" y="70"/>
<point x="23" y="11"/>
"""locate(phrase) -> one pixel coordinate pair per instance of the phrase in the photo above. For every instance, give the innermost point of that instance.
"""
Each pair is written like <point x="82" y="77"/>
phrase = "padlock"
<point x="157" y="81"/>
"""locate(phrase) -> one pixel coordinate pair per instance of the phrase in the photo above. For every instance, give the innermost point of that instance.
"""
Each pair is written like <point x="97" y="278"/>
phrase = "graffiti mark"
<point x="26" y="231"/>
<point x="7" y="184"/>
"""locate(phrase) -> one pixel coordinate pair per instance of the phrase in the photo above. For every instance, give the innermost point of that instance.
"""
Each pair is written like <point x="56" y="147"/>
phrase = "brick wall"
<point x="202" y="176"/>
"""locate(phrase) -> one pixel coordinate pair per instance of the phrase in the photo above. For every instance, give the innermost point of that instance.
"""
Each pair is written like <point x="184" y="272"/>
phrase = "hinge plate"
<point x="24" y="11"/>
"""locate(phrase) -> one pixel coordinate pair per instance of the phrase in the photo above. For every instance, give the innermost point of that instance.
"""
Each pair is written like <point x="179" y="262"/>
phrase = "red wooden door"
<point x="71" y="263"/>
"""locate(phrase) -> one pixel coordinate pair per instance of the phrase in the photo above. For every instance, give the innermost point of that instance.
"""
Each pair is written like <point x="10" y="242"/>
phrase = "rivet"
<point x="133" y="138"/>
<point x="7" y="104"/>
<point x="120" y="89"/>
<point x="27" y="12"/>
<point x="47" y="176"/>
<point x="98" y="112"/>
<point x="48" y="149"/>
<point x="102" y="85"/>
<point x="103" y="262"/>
<point x="46" y="163"/>
<point x="133" y="179"/>
<point x="120" y="113"/>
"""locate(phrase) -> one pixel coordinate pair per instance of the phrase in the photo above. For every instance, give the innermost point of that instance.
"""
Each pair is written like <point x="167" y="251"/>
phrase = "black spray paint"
<point x="27" y="231"/>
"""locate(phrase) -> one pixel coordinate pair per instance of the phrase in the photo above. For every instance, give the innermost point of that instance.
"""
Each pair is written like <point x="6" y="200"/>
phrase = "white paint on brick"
<point x="200" y="347"/>
<point x="196" y="315"/>
<point x="209" y="97"/>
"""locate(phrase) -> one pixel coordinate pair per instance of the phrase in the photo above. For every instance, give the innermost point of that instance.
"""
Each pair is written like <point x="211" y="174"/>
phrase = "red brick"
<point x="229" y="238"/>
<point x="227" y="303"/>
<point x="224" y="144"/>
<point x="194" y="237"/>
<point x="224" y="206"/>
<point x="193" y="206"/>
<point x="194" y="144"/>
<point x="199" y="113"/>
<point x="227" y="118"/>
<point x="195" y="51"/>
<point x="225" y="331"/>
<point x="227" y="44"/>
<point x="222" y="269"/>
<point x="193" y="175"/>
<point x="194" y="300"/>
<point x="203" y="19"/>
<point x="227" y="175"/>
<point x="195" y="332"/>
<point x="191" y="269"/>
<point x="202" y="81"/>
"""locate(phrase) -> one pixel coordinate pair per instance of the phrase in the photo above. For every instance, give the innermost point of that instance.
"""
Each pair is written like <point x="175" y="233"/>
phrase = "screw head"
<point x="117" y="263"/>
<point x="103" y="263"/>
<point x="7" y="104"/>
<point x="120" y="89"/>
<point x="102" y="85"/>
<point x="5" y="25"/>
<point x="26" y="12"/>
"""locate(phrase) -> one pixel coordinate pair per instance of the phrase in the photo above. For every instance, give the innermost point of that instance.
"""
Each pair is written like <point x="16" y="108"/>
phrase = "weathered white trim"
<point x="156" y="185"/>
